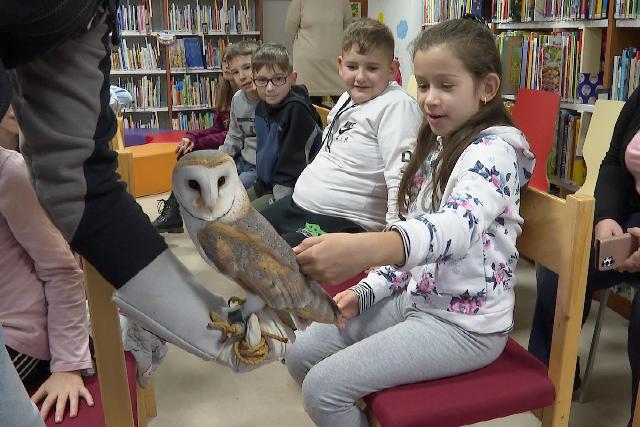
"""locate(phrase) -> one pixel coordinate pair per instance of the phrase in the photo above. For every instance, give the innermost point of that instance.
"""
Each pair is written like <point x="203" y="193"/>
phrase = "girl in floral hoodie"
<point x="454" y="254"/>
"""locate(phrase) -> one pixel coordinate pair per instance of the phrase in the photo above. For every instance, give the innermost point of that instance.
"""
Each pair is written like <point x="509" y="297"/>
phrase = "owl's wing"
<point x="242" y="255"/>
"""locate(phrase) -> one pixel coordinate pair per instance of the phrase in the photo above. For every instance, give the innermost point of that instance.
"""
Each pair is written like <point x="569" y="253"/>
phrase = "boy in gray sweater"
<point x="240" y="142"/>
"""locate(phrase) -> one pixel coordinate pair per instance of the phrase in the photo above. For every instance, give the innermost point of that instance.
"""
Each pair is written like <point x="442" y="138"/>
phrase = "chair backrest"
<point x="557" y="234"/>
<point x="125" y="158"/>
<point x="535" y="113"/>
<point x="412" y="86"/>
<point x="323" y="112"/>
<point x="117" y="142"/>
<point x="596" y="142"/>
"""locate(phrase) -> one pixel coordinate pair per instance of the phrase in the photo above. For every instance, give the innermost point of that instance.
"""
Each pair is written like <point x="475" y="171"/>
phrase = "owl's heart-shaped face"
<point x="207" y="186"/>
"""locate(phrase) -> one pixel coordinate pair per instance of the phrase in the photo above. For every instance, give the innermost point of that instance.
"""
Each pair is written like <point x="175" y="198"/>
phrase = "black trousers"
<point x="295" y="224"/>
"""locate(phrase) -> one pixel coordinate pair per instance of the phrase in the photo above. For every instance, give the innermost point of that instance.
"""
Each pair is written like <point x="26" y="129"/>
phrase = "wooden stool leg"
<point x="107" y="341"/>
<point x="150" y="399"/>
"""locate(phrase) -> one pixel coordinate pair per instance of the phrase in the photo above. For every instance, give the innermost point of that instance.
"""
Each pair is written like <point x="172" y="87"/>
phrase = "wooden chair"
<point x="124" y="403"/>
<point x="412" y="86"/>
<point x="557" y="234"/>
<point x="536" y="115"/>
<point x="323" y="112"/>
<point x="596" y="144"/>
<point x="125" y="158"/>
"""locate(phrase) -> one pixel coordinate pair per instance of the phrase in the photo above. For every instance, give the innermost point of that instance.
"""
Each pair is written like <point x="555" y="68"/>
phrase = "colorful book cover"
<point x="193" y="52"/>
<point x="551" y="72"/>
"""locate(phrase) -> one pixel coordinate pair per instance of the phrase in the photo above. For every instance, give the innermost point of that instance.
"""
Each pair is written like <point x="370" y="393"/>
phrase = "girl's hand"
<point x="185" y="146"/>
<point x="335" y="257"/>
<point x="607" y="228"/>
<point x="349" y="307"/>
<point x="331" y="258"/>
<point x="59" y="388"/>
<point x="632" y="264"/>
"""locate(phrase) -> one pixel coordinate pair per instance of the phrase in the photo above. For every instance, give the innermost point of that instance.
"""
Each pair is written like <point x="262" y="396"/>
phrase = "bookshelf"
<point x="597" y="44"/>
<point x="174" y="86"/>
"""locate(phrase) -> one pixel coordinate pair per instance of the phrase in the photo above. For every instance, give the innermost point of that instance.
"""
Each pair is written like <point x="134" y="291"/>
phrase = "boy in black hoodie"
<point x="288" y="128"/>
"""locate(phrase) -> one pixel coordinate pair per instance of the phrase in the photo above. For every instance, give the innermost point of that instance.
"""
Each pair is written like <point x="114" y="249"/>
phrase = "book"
<point x="551" y="71"/>
<point x="193" y="52"/>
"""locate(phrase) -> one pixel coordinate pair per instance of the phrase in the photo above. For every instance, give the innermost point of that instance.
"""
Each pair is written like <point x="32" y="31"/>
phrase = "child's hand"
<point x="607" y="228"/>
<point x="57" y="389"/>
<point x="632" y="264"/>
<point x="331" y="258"/>
<point x="348" y="304"/>
<point x="185" y="146"/>
<point x="335" y="257"/>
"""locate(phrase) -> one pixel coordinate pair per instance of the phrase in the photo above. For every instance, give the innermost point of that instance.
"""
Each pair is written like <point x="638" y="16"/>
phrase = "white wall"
<point x="395" y="12"/>
<point x="274" y="12"/>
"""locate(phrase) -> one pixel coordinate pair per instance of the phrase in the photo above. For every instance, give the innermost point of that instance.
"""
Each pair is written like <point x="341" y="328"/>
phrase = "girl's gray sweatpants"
<point x="16" y="410"/>
<point x="390" y="344"/>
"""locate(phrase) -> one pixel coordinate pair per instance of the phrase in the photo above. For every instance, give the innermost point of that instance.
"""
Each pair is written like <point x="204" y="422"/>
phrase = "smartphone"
<point x="613" y="251"/>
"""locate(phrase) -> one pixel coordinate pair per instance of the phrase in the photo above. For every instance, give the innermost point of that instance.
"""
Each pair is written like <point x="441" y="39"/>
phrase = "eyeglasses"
<point x="276" y="81"/>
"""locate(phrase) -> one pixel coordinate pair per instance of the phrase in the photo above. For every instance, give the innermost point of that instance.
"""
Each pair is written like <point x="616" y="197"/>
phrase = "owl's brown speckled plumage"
<point x="230" y="234"/>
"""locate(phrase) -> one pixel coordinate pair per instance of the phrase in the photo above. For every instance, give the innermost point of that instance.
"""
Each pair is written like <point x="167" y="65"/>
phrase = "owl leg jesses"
<point x="266" y="337"/>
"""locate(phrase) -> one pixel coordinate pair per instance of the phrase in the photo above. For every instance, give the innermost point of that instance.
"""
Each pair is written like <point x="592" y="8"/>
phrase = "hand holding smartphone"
<point x="614" y="251"/>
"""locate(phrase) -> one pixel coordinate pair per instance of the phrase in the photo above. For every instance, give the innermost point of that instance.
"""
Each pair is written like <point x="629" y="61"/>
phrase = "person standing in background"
<point x="316" y="28"/>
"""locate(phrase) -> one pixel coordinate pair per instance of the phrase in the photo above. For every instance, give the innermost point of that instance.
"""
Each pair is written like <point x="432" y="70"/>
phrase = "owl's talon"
<point x="227" y="330"/>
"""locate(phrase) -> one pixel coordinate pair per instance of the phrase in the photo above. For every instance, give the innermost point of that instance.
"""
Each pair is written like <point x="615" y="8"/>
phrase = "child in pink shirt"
<point x="42" y="300"/>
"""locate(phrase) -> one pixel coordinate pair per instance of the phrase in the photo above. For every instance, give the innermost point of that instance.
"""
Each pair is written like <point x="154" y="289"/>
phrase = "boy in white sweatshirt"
<point x="352" y="184"/>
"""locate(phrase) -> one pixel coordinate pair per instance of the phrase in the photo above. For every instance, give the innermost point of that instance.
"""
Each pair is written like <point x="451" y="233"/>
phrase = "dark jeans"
<point x="542" y="327"/>
<point x="295" y="224"/>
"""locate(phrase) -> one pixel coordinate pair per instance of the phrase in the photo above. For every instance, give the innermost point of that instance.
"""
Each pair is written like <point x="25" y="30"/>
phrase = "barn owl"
<point x="232" y="236"/>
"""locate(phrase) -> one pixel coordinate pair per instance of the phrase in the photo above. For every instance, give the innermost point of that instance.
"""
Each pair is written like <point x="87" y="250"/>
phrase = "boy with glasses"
<point x="288" y="127"/>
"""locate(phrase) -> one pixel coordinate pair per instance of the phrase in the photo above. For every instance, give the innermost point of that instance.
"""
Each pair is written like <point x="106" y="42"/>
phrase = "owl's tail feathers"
<point x="322" y="307"/>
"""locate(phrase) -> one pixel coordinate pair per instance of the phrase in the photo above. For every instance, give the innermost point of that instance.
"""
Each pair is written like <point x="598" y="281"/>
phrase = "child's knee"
<point x="297" y="362"/>
<point x="317" y="393"/>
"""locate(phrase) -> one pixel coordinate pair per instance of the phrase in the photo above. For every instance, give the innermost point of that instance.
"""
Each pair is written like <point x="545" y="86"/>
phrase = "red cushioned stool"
<point x="94" y="415"/>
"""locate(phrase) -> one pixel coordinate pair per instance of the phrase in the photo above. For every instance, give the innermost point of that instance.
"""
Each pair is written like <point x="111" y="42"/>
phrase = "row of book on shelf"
<point x="565" y="160"/>
<point x="150" y="122"/>
<point x="146" y="92"/>
<point x="185" y="53"/>
<point x="135" y="17"/>
<point x="440" y="10"/>
<point x="190" y="52"/>
<point x="549" y="62"/>
<point x="189" y="91"/>
<point x="627" y="9"/>
<point x="192" y="120"/>
<point x="547" y="10"/>
<point x="140" y="56"/>
<point x="195" y="91"/>
<point x="181" y="121"/>
<point x="531" y="10"/>
<point x="221" y="16"/>
<point x="626" y="74"/>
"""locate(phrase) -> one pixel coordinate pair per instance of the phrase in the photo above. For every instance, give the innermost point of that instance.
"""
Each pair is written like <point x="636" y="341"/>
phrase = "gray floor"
<point x="191" y="392"/>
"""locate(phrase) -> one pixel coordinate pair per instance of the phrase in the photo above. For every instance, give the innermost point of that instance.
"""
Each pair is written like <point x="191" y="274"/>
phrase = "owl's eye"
<point x="221" y="181"/>
<point x="193" y="184"/>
